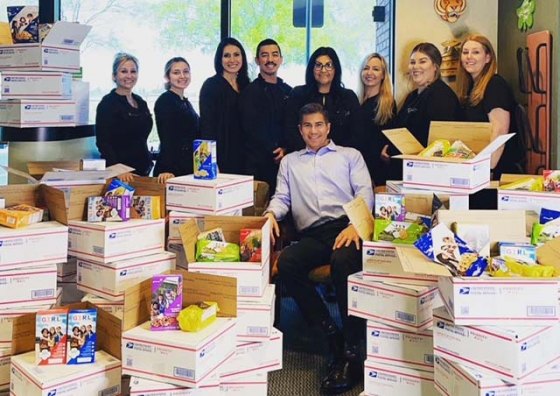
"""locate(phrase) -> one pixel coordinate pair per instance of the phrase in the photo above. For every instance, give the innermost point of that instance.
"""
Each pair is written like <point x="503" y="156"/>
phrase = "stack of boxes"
<point x="37" y="87"/>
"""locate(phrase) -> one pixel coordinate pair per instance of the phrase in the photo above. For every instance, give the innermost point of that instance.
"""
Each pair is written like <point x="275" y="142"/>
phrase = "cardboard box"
<point x="381" y="264"/>
<point x="254" y="385"/>
<point x="176" y="246"/>
<point x="110" y="280"/>
<point x="177" y="218"/>
<point x="5" y="362"/>
<point x="254" y="357"/>
<point x="115" y="308"/>
<point x="406" y="307"/>
<point x="448" y="174"/>
<point x="252" y="277"/>
<point x="219" y="196"/>
<point x="394" y="346"/>
<point x="36" y="85"/>
<point x="501" y="301"/>
<point x="7" y="318"/>
<point x="66" y="268"/>
<point x="108" y="242"/>
<point x="59" y="51"/>
<point x="383" y="379"/>
<point x="452" y="201"/>
<point x="32" y="113"/>
<point x="144" y="387"/>
<point x="178" y="357"/>
<point x="528" y="200"/>
<point x="255" y="316"/>
<point x="28" y="286"/>
<point x="69" y="289"/>
<point x="101" y="377"/>
<point x="514" y="354"/>
<point x="456" y="379"/>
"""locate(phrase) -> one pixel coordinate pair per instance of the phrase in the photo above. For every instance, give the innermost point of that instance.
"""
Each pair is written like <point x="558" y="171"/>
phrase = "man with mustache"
<point x="262" y="106"/>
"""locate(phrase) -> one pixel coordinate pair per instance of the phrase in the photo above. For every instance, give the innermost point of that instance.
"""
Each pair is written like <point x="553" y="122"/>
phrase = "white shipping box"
<point x="528" y="200"/>
<point x="115" y="308"/>
<point x="406" y="307"/>
<point x="177" y="218"/>
<point x="59" y="51"/>
<point x="380" y="263"/>
<point x="382" y="379"/>
<point x="456" y="201"/>
<point x="36" y="85"/>
<point x="108" y="242"/>
<point x="5" y="361"/>
<point x="501" y="301"/>
<point x="31" y="113"/>
<point x="28" y="286"/>
<point x="111" y="280"/>
<point x="456" y="379"/>
<point x="144" y="387"/>
<point x="254" y="357"/>
<point x="255" y="316"/>
<point x="394" y="346"/>
<point x="444" y="173"/>
<point x="253" y="385"/>
<point x="103" y="377"/>
<point x="514" y="354"/>
<point x="178" y="357"/>
<point x="220" y="196"/>
<point x="34" y="245"/>
<point x="176" y="246"/>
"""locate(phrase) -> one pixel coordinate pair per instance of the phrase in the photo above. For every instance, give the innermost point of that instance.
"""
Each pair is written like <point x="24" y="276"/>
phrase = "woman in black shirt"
<point x="177" y="123"/>
<point x="323" y="85"/>
<point x="378" y="108"/>
<point x="431" y="100"/>
<point x="487" y="97"/>
<point x="220" y="119"/>
<point x="123" y="121"/>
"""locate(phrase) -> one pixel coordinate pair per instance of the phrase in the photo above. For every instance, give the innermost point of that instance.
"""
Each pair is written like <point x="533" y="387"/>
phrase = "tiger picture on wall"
<point x="450" y="10"/>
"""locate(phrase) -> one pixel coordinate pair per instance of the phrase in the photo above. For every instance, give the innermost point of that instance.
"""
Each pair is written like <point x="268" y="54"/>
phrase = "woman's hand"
<point x="385" y="157"/>
<point x="162" y="178"/>
<point x="126" y="177"/>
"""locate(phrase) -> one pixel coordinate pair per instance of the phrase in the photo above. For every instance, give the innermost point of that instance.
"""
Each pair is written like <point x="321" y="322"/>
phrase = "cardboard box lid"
<point x="68" y="34"/>
<point x="196" y="287"/>
<point x="476" y="135"/>
<point x="223" y="179"/>
<point x="38" y="168"/>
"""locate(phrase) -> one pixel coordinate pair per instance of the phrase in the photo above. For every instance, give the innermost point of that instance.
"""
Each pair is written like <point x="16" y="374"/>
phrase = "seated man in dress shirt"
<point x="314" y="183"/>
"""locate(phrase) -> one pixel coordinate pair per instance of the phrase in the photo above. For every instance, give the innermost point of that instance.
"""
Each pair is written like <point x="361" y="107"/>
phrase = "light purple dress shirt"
<point x="315" y="185"/>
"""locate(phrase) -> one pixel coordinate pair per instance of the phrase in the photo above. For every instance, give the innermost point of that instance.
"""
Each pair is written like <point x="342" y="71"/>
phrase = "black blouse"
<point x="122" y="132"/>
<point x="177" y="127"/>
<point x="220" y="120"/>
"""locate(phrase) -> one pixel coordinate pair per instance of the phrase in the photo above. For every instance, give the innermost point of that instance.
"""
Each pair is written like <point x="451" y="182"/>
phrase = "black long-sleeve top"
<point x="177" y="127"/>
<point x="220" y="120"/>
<point x="122" y="132"/>
<point x="262" y="107"/>
<point x="343" y="108"/>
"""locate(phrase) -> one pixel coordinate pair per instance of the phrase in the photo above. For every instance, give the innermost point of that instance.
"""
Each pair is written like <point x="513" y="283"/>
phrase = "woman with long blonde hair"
<point x="378" y="108"/>
<point x="486" y="97"/>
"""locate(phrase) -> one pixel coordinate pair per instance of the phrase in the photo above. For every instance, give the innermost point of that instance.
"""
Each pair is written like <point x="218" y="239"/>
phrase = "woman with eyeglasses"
<point x="177" y="123"/>
<point x="430" y="100"/>
<point x="123" y="121"/>
<point x="323" y="85"/>
<point x="378" y="108"/>
<point x="220" y="117"/>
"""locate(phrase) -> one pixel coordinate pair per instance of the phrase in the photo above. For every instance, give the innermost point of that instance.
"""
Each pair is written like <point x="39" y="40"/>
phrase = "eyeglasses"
<point x="327" y="66"/>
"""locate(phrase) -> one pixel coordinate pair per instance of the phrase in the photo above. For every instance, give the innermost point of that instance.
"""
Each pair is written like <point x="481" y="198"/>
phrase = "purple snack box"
<point x="167" y="301"/>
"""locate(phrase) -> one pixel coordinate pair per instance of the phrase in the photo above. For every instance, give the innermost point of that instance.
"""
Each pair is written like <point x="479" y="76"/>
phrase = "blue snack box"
<point x="205" y="164"/>
<point x="82" y="336"/>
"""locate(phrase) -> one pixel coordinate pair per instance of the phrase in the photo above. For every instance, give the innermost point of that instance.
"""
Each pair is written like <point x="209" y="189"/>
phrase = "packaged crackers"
<point x="146" y="207"/>
<point x="50" y="336"/>
<point x="20" y="216"/>
<point x="167" y="301"/>
<point x="81" y="336"/>
<point x="108" y="208"/>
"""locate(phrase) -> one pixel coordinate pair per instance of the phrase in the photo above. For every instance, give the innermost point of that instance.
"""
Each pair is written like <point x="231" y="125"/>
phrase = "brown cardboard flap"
<point x="476" y="135"/>
<point x="404" y="141"/>
<point x="505" y="225"/>
<point x="196" y="287"/>
<point x="108" y="331"/>
<point x="412" y="260"/>
<point x="360" y="216"/>
<point x="549" y="254"/>
<point x="231" y="225"/>
<point x="15" y="194"/>
<point x="422" y="203"/>
<point x="189" y="231"/>
<point x="38" y="168"/>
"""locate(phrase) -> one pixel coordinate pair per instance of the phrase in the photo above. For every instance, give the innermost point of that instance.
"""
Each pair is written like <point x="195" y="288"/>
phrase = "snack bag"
<point x="515" y="267"/>
<point x="437" y="148"/>
<point x="250" y="241"/>
<point x="525" y="184"/>
<point x="443" y="247"/>
<point x="215" y="251"/>
<point x="167" y="301"/>
<point x="544" y="232"/>
<point x="459" y="150"/>
<point x="551" y="180"/>
<point x="196" y="317"/>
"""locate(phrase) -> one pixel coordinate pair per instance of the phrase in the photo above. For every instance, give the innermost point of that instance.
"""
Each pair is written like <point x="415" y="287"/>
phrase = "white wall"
<point x="417" y="21"/>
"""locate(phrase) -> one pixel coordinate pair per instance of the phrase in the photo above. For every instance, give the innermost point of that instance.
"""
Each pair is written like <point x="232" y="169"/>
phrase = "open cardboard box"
<point x="526" y="200"/>
<point x="448" y="174"/>
<point x="196" y="287"/>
